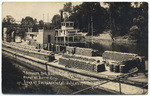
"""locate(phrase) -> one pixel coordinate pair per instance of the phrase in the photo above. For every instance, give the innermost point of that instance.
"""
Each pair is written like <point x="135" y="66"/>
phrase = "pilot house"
<point x="67" y="34"/>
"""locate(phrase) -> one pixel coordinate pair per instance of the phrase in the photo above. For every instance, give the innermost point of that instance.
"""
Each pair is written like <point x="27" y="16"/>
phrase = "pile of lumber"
<point x="81" y="51"/>
<point x="60" y="48"/>
<point x="81" y="64"/>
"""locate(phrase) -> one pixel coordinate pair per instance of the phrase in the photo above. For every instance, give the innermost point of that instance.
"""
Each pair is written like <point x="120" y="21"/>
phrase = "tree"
<point x="120" y="18"/>
<point x="10" y="19"/>
<point x="83" y="14"/>
<point x="67" y="7"/>
<point x="8" y="22"/>
<point x="27" y="21"/>
<point x="41" y="24"/>
<point x="48" y="26"/>
<point x="56" y="21"/>
<point x="140" y="19"/>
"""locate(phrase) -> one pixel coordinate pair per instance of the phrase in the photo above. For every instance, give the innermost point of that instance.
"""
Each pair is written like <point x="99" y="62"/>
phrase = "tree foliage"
<point x="119" y="17"/>
<point x="41" y="24"/>
<point x="84" y="14"/>
<point x="27" y="22"/>
<point x="8" y="22"/>
<point x="141" y="20"/>
<point x="56" y="21"/>
<point x="67" y="7"/>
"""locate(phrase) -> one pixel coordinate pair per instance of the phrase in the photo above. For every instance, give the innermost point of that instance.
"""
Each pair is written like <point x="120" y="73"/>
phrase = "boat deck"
<point x="138" y="78"/>
<point x="107" y="74"/>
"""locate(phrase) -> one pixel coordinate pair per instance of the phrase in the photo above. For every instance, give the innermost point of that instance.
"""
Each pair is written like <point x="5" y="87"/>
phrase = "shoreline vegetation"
<point x="118" y="40"/>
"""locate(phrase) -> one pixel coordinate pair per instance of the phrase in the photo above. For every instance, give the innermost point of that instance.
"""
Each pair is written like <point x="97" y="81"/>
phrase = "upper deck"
<point x="67" y="25"/>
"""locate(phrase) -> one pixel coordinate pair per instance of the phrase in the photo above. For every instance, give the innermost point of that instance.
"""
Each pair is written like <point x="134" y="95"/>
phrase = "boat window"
<point x="56" y="33"/>
<point x="67" y="24"/>
<point x="72" y="31"/>
<point x="71" y="24"/>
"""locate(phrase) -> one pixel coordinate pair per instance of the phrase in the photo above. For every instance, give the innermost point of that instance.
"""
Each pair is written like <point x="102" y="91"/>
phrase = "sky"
<point x="34" y="9"/>
<point x="19" y="10"/>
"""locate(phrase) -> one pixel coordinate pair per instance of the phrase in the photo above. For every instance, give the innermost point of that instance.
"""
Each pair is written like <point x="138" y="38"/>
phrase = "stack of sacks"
<point x="27" y="51"/>
<point x="53" y="47"/>
<point x="69" y="49"/>
<point x="42" y="56"/>
<point x="41" y="46"/>
<point x="62" y="49"/>
<point x="118" y="56"/>
<point x="129" y="60"/>
<point x="57" y="48"/>
<point x="49" y="47"/>
<point x="38" y="46"/>
<point x="84" y="51"/>
<point x="124" y="66"/>
<point x="131" y="63"/>
<point x="80" y="64"/>
<point x="85" y="58"/>
<point x="45" y="46"/>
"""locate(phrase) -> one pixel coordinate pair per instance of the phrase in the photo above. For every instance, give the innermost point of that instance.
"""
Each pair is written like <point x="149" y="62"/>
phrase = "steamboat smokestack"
<point x="61" y="14"/>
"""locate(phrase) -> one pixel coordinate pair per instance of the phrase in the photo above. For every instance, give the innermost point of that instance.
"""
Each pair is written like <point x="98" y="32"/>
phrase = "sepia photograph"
<point x="74" y="48"/>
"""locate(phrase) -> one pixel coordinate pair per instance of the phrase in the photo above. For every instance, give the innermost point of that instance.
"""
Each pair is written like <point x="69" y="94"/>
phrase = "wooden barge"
<point x="46" y="59"/>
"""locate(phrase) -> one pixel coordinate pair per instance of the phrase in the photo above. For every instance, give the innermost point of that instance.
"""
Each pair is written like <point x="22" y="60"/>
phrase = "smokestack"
<point x="61" y="14"/>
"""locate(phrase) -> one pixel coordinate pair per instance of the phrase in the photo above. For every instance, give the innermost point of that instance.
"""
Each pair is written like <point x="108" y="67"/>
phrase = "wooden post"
<point x="64" y="40"/>
<point x="119" y="86"/>
<point x="49" y="46"/>
<point x="46" y="68"/>
<point x="73" y="38"/>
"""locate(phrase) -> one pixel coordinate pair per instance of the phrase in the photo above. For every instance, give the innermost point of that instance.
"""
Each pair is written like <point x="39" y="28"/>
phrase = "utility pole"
<point x="119" y="86"/>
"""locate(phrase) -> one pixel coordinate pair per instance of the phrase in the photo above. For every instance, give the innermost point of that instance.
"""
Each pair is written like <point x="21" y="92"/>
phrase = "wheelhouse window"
<point x="67" y="24"/>
<point x="71" y="24"/>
